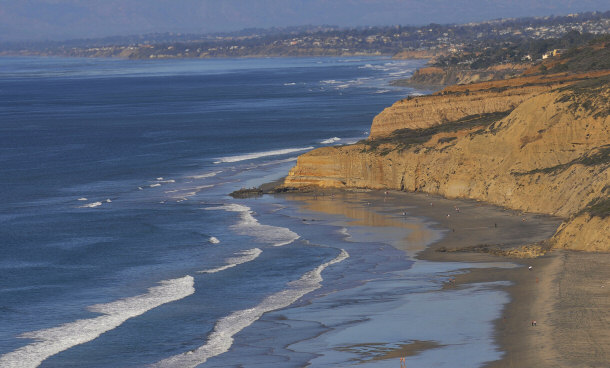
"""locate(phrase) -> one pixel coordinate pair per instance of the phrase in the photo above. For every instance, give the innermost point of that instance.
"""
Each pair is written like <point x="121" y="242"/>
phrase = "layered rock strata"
<point x="549" y="155"/>
<point x="458" y="101"/>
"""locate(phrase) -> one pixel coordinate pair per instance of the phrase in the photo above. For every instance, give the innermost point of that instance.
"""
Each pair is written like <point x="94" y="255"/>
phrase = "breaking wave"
<point x="51" y="341"/>
<point x="221" y="339"/>
<point x="248" y="225"/>
<point x="255" y="155"/>
<point x="242" y="257"/>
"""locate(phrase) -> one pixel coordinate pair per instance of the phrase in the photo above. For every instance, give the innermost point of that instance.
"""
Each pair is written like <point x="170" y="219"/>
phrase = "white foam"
<point x="184" y="193"/>
<point x="276" y="236"/>
<point x="108" y="200"/>
<point x="330" y="140"/>
<point x="252" y="156"/>
<point x="82" y="199"/>
<point x="290" y="84"/>
<point x="159" y="178"/>
<point x="206" y="175"/>
<point x="91" y="205"/>
<point x="382" y="91"/>
<point x="242" y="257"/>
<point x="155" y="185"/>
<point x="51" y="341"/>
<point x="221" y="339"/>
<point x="343" y="231"/>
<point x="214" y="240"/>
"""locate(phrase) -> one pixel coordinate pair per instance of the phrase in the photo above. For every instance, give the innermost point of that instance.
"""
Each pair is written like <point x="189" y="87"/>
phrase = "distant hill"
<point x="432" y="39"/>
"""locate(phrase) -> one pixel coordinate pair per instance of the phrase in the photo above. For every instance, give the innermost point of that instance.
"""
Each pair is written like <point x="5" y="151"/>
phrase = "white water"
<point x="330" y="140"/>
<point x="254" y="155"/>
<point x="206" y="175"/>
<point x="221" y="339"/>
<point x="242" y="257"/>
<point x="51" y="341"/>
<point x="91" y="205"/>
<point x="248" y="225"/>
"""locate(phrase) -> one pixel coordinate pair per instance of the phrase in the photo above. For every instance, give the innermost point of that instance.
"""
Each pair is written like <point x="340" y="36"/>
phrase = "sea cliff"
<point x="531" y="145"/>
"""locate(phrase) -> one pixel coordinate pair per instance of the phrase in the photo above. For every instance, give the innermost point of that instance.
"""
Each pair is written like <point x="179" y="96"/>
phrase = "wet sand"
<point x="565" y="292"/>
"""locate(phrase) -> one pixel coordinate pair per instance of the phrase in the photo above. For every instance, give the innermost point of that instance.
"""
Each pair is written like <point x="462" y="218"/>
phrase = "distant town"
<point x="424" y="41"/>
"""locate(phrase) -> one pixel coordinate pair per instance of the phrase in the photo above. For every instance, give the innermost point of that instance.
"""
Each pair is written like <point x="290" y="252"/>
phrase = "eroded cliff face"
<point x="584" y="232"/>
<point x="427" y="111"/>
<point x="458" y="101"/>
<point x="550" y="155"/>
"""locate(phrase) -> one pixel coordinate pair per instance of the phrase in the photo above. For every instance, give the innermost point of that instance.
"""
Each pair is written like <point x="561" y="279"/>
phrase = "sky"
<point x="68" y="19"/>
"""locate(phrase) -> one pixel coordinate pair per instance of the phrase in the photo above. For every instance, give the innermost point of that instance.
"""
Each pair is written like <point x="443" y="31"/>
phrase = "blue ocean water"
<point x="119" y="244"/>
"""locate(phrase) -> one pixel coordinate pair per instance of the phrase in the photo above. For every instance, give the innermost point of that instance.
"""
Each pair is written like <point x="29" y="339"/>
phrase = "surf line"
<point x="221" y="338"/>
<point x="255" y="155"/>
<point x="248" y="225"/>
<point x="242" y="257"/>
<point x="54" y="340"/>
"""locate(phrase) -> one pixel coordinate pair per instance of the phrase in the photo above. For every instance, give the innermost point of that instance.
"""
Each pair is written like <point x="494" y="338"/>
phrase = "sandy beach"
<point x="564" y="292"/>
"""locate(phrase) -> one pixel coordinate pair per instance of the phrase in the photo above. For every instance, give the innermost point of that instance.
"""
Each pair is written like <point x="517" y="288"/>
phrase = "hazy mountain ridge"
<point x="68" y="19"/>
<point x="321" y="40"/>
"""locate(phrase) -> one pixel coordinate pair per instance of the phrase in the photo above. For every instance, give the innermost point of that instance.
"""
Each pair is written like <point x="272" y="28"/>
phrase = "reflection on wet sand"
<point x="363" y="209"/>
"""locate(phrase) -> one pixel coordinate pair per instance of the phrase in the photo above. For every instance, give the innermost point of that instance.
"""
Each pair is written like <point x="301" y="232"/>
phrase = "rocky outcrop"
<point x="436" y="77"/>
<point x="550" y="155"/>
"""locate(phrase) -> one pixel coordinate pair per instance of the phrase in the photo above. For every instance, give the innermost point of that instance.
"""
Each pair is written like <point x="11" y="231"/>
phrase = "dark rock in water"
<point x="247" y="193"/>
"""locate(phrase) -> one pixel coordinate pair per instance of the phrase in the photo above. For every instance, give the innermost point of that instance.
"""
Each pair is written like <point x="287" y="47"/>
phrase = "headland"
<point x="536" y="143"/>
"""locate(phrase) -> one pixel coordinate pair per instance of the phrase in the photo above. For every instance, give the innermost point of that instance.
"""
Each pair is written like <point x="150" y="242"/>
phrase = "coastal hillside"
<point x="541" y="147"/>
<point x="435" y="78"/>
<point x="459" y="101"/>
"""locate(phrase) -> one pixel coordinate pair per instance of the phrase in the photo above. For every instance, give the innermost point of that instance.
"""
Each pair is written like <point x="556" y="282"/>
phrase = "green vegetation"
<point x="331" y="40"/>
<point x="600" y="157"/>
<point x="487" y="53"/>
<point x="594" y="56"/>
<point x="599" y="207"/>
<point x="404" y="138"/>
<point x="588" y="95"/>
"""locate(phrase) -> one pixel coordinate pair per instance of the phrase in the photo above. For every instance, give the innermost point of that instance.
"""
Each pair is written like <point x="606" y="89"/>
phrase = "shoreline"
<point x="534" y="293"/>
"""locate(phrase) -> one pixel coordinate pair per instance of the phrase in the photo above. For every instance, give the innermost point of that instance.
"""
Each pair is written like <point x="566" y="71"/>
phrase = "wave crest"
<point x="51" y="341"/>
<point x="221" y="339"/>
<point x="248" y="225"/>
<point x="242" y="257"/>
<point x="255" y="155"/>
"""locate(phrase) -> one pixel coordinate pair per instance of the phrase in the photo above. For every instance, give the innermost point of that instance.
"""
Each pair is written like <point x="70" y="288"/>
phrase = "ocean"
<point x="120" y="246"/>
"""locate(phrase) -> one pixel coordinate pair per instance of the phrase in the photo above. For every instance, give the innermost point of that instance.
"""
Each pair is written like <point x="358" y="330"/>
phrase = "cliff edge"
<point x="538" y="147"/>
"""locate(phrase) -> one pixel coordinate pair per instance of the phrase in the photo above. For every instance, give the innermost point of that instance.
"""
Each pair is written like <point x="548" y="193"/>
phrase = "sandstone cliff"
<point x="436" y="77"/>
<point x="549" y="155"/>
<point x="458" y="101"/>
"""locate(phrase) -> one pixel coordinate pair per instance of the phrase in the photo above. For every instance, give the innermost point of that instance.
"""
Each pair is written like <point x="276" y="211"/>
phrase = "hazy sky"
<point x="61" y="19"/>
